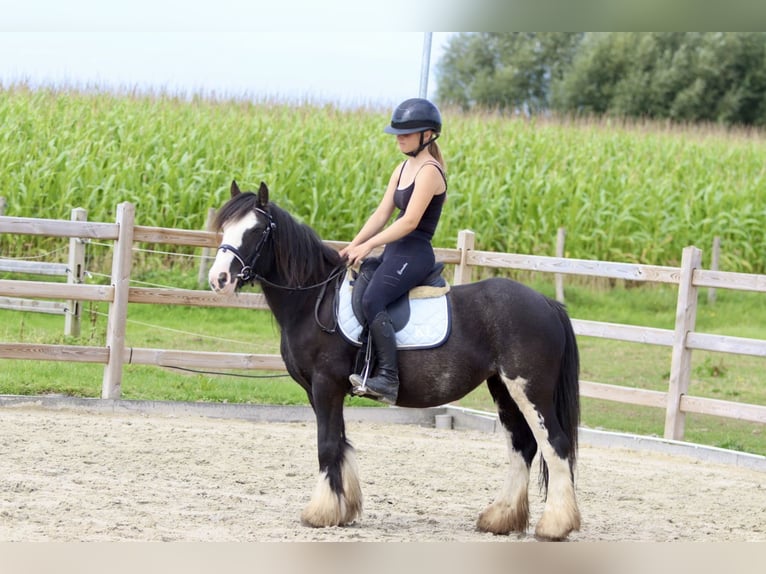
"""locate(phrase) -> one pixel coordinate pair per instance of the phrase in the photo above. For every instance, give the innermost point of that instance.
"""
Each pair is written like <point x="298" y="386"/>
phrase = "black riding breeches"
<point x="405" y="263"/>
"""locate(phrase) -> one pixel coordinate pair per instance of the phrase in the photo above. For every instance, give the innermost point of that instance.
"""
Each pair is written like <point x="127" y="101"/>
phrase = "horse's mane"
<point x="300" y="255"/>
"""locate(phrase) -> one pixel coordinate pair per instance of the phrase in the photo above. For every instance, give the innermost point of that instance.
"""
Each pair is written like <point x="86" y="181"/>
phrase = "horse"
<point x="505" y="333"/>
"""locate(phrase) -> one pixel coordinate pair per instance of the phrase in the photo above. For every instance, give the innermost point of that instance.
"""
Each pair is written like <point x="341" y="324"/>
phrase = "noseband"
<point x="247" y="274"/>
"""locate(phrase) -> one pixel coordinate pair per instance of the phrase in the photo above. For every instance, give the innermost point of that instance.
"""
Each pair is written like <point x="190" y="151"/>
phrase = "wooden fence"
<point x="73" y="270"/>
<point x="683" y="339"/>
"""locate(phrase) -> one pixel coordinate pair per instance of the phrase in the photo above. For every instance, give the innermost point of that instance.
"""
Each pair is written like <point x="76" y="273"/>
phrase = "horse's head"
<point x="246" y="226"/>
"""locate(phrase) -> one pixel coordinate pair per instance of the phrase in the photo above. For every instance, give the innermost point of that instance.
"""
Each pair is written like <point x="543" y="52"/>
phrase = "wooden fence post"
<point x="714" y="260"/>
<point x="3" y="203"/>
<point x="122" y="260"/>
<point x="76" y="267"/>
<point x="559" y="277"/>
<point x="681" y="360"/>
<point x="205" y="260"/>
<point x="463" y="271"/>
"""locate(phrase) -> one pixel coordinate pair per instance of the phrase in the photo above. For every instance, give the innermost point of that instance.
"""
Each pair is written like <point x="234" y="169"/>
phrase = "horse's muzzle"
<point x="222" y="283"/>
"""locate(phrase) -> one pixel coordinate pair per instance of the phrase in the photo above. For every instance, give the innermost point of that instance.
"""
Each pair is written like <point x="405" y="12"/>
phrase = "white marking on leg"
<point x="326" y="507"/>
<point x="561" y="514"/>
<point x="509" y="512"/>
<point x="351" y="487"/>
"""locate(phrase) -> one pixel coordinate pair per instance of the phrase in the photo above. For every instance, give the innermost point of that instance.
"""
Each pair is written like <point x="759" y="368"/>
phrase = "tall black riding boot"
<point x="385" y="384"/>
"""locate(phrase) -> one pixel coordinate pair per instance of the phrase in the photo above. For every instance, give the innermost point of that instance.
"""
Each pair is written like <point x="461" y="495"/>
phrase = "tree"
<point x="508" y="71"/>
<point x="682" y="76"/>
<point x="687" y="76"/>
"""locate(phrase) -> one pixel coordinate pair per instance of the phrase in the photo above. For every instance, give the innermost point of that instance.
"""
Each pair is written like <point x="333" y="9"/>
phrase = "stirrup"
<point x="359" y="382"/>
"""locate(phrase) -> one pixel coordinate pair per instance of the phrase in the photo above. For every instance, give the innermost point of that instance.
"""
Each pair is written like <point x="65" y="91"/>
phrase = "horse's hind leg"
<point x="509" y="512"/>
<point x="337" y="498"/>
<point x="561" y="515"/>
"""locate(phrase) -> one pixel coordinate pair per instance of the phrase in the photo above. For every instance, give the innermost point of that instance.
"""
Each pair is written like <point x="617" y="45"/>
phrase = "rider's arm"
<point x="379" y="217"/>
<point x="427" y="183"/>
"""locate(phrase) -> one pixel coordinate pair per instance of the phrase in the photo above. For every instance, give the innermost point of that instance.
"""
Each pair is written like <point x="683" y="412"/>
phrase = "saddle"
<point x="421" y="318"/>
<point x="399" y="311"/>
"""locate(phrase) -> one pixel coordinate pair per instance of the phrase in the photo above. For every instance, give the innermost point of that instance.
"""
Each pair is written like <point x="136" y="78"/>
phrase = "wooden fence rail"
<point x="683" y="339"/>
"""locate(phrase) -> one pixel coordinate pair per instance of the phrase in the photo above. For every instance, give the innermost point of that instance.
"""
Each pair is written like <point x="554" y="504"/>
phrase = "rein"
<point x="247" y="274"/>
<point x="336" y="273"/>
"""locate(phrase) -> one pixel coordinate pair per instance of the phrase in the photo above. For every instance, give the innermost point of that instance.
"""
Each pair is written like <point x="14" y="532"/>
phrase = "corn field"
<point x="624" y="192"/>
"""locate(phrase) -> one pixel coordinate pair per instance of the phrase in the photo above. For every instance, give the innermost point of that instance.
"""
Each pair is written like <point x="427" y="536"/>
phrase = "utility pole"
<point x="425" y="64"/>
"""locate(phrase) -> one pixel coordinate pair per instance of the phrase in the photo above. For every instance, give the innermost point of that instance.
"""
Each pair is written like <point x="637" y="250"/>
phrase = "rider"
<point x="417" y="187"/>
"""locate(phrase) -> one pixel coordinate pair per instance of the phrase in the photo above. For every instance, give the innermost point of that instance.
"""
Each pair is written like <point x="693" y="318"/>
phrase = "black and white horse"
<point x="514" y="338"/>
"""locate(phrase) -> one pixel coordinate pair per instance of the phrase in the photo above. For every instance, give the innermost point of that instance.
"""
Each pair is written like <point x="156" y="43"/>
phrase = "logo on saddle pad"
<point x="421" y="318"/>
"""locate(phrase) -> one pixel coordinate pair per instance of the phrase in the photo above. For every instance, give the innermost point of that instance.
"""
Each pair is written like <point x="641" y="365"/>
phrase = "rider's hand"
<point x="355" y="253"/>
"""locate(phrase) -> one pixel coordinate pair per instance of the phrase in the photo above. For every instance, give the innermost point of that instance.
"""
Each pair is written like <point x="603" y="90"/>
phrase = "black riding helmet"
<point x="413" y="116"/>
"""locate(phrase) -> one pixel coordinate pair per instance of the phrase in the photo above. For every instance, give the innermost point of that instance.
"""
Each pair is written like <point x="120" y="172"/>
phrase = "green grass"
<point x="715" y="375"/>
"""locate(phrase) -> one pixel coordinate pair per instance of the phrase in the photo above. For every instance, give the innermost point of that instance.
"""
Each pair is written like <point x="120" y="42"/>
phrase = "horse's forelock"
<point x="237" y="207"/>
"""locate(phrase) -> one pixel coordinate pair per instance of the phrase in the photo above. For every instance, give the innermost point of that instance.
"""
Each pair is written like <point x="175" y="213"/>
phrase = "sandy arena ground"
<point x="75" y="476"/>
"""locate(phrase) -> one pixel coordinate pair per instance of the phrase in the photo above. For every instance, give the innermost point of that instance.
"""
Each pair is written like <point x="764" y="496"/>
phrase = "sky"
<point x="300" y="51"/>
<point x="348" y="52"/>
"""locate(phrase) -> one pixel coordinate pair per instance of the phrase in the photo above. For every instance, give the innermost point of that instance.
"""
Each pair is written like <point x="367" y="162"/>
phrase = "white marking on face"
<point x="219" y="276"/>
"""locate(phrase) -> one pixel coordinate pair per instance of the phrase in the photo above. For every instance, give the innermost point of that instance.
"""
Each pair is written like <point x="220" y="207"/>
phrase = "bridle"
<point x="247" y="274"/>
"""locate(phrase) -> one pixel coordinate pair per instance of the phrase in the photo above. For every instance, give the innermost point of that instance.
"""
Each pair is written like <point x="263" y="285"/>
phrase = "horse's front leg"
<point x="337" y="498"/>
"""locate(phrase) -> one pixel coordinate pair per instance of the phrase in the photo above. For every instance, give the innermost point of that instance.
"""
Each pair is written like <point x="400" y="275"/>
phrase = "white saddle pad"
<point x="428" y="327"/>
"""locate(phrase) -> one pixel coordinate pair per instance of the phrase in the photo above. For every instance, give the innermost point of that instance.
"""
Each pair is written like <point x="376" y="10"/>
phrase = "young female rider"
<point x="417" y="187"/>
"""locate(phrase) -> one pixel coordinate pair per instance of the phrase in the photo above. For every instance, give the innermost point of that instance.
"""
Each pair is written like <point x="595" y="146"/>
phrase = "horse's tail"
<point x="566" y="395"/>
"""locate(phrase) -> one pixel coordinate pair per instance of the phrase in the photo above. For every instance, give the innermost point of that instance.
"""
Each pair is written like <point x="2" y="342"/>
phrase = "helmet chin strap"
<point x="422" y="145"/>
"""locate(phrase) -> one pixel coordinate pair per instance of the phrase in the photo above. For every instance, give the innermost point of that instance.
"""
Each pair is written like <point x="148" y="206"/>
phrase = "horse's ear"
<point x="234" y="188"/>
<point x="263" y="195"/>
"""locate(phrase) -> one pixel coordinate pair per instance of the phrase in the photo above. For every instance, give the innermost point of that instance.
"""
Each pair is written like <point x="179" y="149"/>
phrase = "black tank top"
<point x="427" y="226"/>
